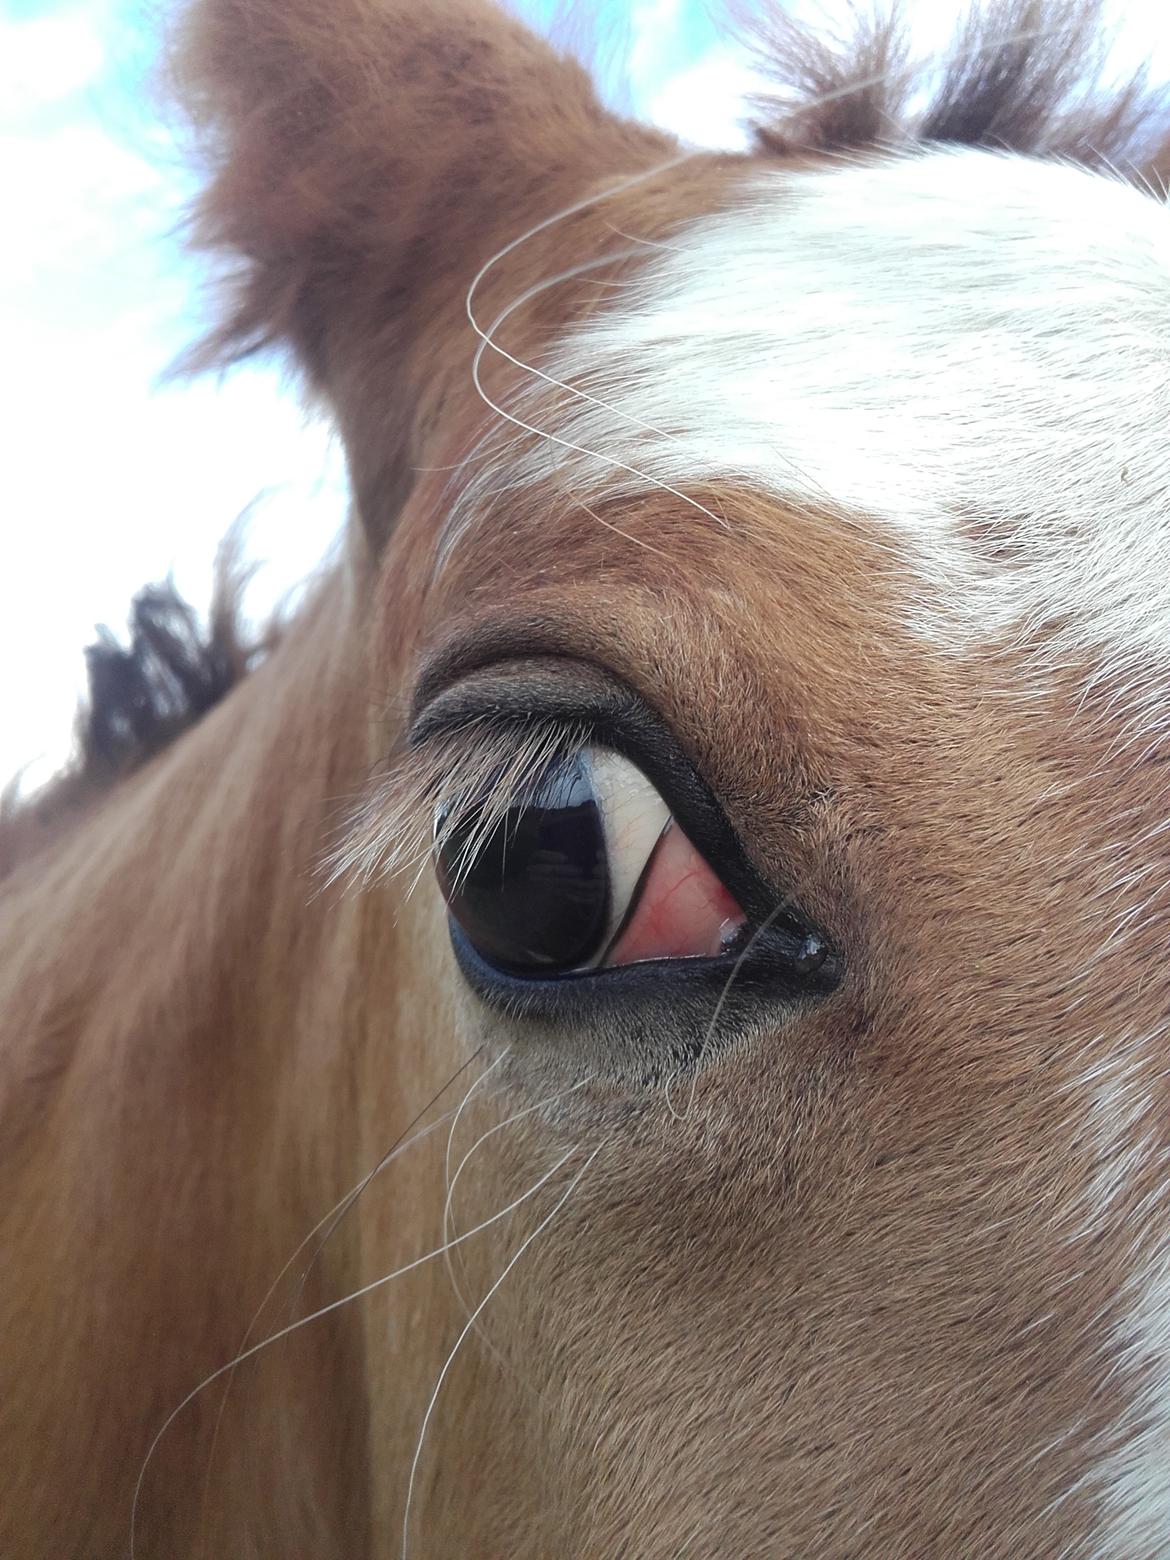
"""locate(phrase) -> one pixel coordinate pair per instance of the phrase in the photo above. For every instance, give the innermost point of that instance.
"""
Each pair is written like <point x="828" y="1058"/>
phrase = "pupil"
<point x="532" y="894"/>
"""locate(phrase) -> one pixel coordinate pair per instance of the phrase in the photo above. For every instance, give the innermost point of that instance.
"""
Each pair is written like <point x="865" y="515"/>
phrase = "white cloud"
<point x="705" y="104"/>
<point x="47" y="58"/>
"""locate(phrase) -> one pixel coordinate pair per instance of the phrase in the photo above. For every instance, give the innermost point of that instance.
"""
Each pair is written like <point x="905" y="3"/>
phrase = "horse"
<point x="639" y="1026"/>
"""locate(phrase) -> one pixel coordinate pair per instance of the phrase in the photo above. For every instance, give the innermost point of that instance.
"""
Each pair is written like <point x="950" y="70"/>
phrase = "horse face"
<point x="859" y="1160"/>
<point x="757" y="565"/>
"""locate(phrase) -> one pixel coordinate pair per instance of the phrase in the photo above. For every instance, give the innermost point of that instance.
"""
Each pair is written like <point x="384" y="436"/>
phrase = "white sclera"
<point x="634" y="818"/>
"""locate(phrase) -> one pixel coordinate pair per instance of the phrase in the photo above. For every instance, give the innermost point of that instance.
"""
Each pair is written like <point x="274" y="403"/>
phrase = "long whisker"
<point x="488" y="342"/>
<point x="529" y="1110"/>
<point x="454" y="1126"/>
<point x="582" y="449"/>
<point x="486" y="338"/>
<point x="448" y="1184"/>
<point x="626" y="536"/>
<point x="471" y="1321"/>
<point x="453" y="1180"/>
<point x="314" y="1316"/>
<point x="404" y="1140"/>
<point x="391" y="1154"/>
<point x="719" y="1006"/>
<point x="562" y="216"/>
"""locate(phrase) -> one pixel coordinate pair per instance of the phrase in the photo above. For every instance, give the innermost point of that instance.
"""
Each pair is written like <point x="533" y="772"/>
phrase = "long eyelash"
<point x="479" y="769"/>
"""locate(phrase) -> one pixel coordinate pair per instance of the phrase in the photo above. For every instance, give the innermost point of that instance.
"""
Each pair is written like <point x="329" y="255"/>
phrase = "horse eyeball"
<point x="531" y="888"/>
<point x="585" y="867"/>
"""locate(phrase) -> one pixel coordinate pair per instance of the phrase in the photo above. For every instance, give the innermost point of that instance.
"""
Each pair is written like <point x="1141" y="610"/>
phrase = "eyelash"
<point x="494" y="788"/>
<point x="482" y="761"/>
<point x="488" y="757"/>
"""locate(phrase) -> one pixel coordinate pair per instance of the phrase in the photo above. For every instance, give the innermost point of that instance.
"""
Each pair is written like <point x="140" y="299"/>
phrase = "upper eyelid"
<point x="523" y="688"/>
<point x="491" y="651"/>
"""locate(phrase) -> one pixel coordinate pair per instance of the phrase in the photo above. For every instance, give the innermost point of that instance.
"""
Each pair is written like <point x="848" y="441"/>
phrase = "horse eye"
<point x="579" y="870"/>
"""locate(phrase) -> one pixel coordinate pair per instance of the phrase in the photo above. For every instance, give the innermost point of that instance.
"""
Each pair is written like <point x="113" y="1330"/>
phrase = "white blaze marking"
<point x="942" y="334"/>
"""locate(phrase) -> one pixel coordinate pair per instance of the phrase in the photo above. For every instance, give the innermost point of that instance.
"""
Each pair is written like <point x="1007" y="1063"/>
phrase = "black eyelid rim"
<point x="594" y="702"/>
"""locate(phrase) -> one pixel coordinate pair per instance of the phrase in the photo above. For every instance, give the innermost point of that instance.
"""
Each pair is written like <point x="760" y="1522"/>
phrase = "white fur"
<point x="900" y="342"/>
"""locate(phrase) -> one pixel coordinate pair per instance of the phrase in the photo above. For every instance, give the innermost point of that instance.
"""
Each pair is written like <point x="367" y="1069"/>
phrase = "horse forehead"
<point x="967" y="349"/>
<point x="865" y="330"/>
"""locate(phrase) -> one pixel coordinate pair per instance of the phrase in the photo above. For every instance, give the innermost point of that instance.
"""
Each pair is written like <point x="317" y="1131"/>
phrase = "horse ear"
<point x="364" y="158"/>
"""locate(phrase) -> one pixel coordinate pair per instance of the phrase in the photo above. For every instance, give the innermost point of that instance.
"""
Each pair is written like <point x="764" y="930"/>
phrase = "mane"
<point x="1024" y="76"/>
<point x="141" y="696"/>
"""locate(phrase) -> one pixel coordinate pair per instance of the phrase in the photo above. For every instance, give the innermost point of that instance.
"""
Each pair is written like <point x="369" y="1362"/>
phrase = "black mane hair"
<point x="142" y="694"/>
<point x="1025" y="76"/>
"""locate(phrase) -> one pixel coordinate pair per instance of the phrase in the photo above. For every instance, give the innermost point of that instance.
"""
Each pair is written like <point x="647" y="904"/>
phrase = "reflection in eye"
<point x="582" y="867"/>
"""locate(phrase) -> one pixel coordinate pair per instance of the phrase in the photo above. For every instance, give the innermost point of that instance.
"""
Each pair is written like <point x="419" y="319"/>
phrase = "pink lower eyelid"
<point x="683" y="910"/>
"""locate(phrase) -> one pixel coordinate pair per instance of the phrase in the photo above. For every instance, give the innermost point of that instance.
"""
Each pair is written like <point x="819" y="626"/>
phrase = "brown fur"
<point x="851" y="1299"/>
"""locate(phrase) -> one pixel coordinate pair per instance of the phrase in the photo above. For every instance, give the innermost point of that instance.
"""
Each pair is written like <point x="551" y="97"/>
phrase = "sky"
<point x="114" y="475"/>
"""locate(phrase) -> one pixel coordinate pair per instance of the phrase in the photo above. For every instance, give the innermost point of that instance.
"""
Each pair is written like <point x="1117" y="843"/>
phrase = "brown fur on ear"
<point x="365" y="159"/>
